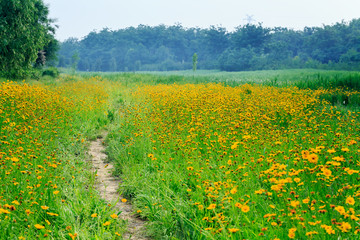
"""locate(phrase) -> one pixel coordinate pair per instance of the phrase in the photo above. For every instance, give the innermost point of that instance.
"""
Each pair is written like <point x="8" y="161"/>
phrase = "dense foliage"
<point x="249" y="47"/>
<point x="27" y="37"/>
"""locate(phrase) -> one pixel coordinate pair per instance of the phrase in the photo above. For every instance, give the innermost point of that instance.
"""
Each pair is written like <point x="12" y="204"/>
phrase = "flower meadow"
<point x="46" y="185"/>
<point x="208" y="161"/>
<point x="197" y="161"/>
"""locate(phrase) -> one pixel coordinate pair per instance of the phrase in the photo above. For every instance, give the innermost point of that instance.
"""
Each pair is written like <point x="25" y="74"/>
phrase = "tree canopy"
<point x="248" y="47"/>
<point x="25" y="29"/>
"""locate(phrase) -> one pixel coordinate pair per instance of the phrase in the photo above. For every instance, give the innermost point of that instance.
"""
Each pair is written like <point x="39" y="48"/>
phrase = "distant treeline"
<point x="248" y="47"/>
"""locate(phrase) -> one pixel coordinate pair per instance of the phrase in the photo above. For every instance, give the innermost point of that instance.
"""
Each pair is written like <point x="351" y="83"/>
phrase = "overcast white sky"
<point x="76" y="18"/>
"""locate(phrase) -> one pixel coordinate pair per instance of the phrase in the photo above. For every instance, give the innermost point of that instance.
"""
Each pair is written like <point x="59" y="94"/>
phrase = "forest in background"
<point x="248" y="47"/>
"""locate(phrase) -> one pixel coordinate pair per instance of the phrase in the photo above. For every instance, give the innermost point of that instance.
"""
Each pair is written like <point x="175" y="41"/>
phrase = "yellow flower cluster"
<point x="35" y="122"/>
<point x="274" y="162"/>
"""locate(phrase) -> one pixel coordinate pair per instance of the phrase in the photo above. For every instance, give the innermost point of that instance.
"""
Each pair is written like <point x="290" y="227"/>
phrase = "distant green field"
<point x="302" y="78"/>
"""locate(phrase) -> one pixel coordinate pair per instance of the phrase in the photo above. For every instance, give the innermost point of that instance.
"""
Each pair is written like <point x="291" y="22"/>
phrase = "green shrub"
<point x="51" y="71"/>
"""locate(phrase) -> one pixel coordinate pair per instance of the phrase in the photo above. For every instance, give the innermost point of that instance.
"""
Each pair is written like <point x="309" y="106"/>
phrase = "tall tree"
<point x="25" y="29"/>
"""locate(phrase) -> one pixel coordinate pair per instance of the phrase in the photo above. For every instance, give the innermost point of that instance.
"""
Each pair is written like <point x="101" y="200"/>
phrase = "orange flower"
<point x="73" y="236"/>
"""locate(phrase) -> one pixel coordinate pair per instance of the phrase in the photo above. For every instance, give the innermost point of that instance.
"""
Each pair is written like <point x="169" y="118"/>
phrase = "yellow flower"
<point x="331" y="151"/>
<point x="313" y="158"/>
<point x="328" y="229"/>
<point x="350" y="200"/>
<point x="114" y="216"/>
<point x="245" y="208"/>
<point x="211" y="206"/>
<point x="234" y="146"/>
<point x="44" y="207"/>
<point x="305" y="154"/>
<point x="124" y="200"/>
<point x="238" y="205"/>
<point x="28" y="212"/>
<point x="311" y="233"/>
<point x="340" y="209"/>
<point x="233" y="230"/>
<point x="38" y="226"/>
<point x="294" y="203"/>
<point x="107" y="223"/>
<point x="4" y="211"/>
<point x="52" y="214"/>
<point x="344" y="227"/>
<point x="327" y="172"/>
<point x="233" y="191"/>
<point x="292" y="232"/>
<point x="94" y="215"/>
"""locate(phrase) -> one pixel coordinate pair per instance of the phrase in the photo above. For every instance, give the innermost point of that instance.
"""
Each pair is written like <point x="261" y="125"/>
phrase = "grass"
<point x="268" y="154"/>
<point x="340" y="82"/>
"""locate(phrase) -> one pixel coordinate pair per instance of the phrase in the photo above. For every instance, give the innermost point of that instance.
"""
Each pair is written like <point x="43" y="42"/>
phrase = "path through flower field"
<point x="195" y="161"/>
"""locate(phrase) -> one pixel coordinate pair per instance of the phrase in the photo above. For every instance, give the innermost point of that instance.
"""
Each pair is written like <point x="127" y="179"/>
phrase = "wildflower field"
<point x="207" y="161"/>
<point x="46" y="186"/>
<point x="198" y="159"/>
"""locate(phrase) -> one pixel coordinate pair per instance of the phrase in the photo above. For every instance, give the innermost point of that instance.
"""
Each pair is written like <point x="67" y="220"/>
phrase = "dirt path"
<point x="108" y="185"/>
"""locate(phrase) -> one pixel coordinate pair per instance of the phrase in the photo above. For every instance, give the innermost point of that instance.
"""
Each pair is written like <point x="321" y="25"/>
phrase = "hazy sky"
<point x="76" y="18"/>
